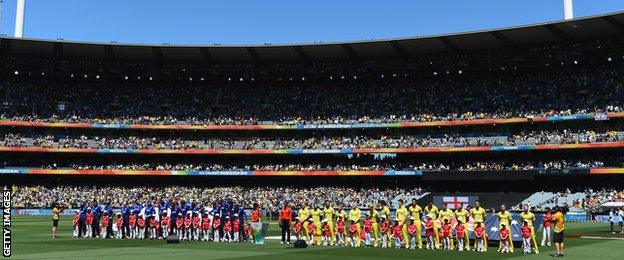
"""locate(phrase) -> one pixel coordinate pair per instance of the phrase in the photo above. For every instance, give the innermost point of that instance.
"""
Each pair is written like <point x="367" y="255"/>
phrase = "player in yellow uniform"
<point x="354" y="216"/>
<point x="462" y="215"/>
<point x="385" y="211"/>
<point x="304" y="214"/>
<point x="415" y="212"/>
<point x="375" y="220"/>
<point x="402" y="216"/>
<point x="529" y="217"/>
<point x="329" y="215"/>
<point x="478" y="215"/>
<point x="504" y="217"/>
<point x="432" y="211"/>
<point x="316" y="219"/>
<point x="446" y="214"/>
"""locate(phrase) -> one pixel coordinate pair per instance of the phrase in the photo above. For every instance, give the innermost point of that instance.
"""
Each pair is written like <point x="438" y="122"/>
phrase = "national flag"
<point x="454" y="201"/>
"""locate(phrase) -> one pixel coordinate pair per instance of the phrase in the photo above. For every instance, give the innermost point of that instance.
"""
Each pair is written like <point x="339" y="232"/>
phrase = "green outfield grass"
<point x="31" y="240"/>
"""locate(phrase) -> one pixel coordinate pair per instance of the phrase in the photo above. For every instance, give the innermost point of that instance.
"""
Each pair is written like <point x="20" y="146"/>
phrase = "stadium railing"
<point x="493" y="121"/>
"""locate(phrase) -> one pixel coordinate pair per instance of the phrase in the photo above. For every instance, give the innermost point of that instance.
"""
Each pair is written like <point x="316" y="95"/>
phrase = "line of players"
<point x="343" y="229"/>
<point x="377" y="231"/>
<point x="192" y="227"/>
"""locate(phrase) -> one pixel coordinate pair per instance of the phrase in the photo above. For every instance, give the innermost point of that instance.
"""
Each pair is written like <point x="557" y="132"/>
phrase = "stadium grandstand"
<point x="530" y="115"/>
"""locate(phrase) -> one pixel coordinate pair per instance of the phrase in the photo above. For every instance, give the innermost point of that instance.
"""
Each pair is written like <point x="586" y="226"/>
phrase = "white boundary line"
<point x="605" y="238"/>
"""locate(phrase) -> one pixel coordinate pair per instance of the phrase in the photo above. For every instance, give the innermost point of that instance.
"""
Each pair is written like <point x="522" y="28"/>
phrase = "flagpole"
<point x="19" y="18"/>
<point x="568" y="9"/>
<point x="1" y="9"/>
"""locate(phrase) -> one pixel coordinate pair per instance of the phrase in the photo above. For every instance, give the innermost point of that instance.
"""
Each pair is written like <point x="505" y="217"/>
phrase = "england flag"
<point x="454" y="201"/>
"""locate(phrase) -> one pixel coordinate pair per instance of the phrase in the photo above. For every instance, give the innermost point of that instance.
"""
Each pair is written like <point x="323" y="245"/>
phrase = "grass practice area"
<point x="31" y="240"/>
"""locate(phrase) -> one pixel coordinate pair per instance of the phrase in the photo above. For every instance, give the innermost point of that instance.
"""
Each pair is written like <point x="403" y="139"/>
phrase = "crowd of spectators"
<point x="268" y="197"/>
<point x="366" y="98"/>
<point x="589" y="200"/>
<point x="595" y="198"/>
<point x="375" y="166"/>
<point x="330" y="142"/>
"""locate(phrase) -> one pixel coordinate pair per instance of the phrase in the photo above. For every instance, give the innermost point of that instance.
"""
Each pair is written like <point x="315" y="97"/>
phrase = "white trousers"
<point x="216" y="235"/>
<point x="526" y="244"/>
<point x="326" y="240"/>
<point x="368" y="239"/>
<point x="141" y="234"/>
<point x="430" y="243"/>
<point x="384" y="241"/>
<point x="480" y="245"/>
<point x="546" y="236"/>
<point x="460" y="243"/>
<point x="397" y="243"/>
<point x="165" y="231"/>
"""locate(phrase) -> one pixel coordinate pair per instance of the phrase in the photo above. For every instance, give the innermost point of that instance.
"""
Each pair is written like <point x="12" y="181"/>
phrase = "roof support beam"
<point x="351" y="52"/>
<point x="158" y="55"/>
<point x="503" y="39"/>
<point x="109" y="57"/>
<point x="254" y="55"/>
<point x="303" y="55"/>
<point x="206" y="53"/>
<point x="160" y="59"/>
<point x="399" y="49"/>
<point x="5" y="48"/>
<point x="558" y="32"/>
<point x="449" y="44"/>
<point x="614" y="22"/>
<point x="58" y="51"/>
<point x="57" y="54"/>
<point x="109" y="54"/>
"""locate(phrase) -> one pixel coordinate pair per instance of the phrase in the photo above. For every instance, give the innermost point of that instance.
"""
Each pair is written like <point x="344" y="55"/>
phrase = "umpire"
<point x="285" y="218"/>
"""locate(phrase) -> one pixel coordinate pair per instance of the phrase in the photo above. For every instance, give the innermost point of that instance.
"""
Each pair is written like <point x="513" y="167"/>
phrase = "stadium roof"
<point x="562" y="31"/>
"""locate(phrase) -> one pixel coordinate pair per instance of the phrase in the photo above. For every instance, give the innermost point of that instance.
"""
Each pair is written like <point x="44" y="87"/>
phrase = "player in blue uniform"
<point x="125" y="214"/>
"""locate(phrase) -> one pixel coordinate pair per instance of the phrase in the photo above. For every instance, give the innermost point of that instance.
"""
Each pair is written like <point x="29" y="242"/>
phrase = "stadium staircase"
<point x="560" y="200"/>
<point x="538" y="199"/>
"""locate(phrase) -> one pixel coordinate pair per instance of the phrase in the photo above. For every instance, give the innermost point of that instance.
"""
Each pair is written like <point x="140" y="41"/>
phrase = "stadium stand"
<point x="576" y="198"/>
<point x="337" y="142"/>
<point x="415" y="98"/>
<point x="513" y="121"/>
<point x="538" y="199"/>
